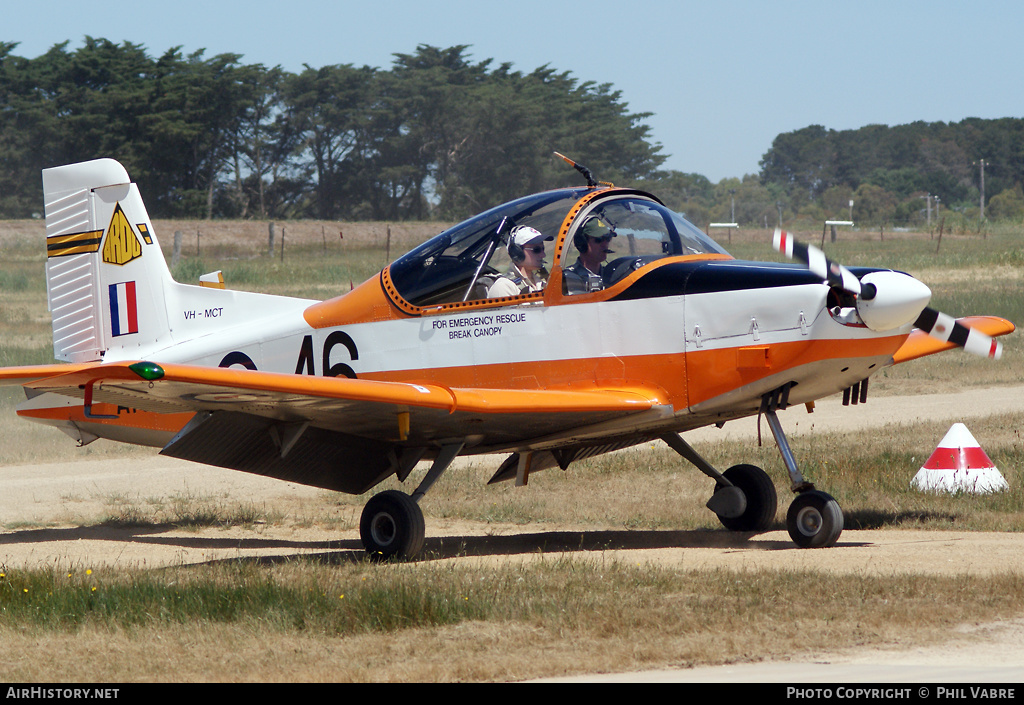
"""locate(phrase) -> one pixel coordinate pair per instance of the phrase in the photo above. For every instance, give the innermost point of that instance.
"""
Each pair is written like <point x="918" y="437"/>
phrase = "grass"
<point x="313" y="618"/>
<point x="187" y="511"/>
<point x="445" y="622"/>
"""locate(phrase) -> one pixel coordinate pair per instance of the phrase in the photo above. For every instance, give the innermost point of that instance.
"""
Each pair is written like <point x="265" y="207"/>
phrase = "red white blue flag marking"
<point x="124" y="317"/>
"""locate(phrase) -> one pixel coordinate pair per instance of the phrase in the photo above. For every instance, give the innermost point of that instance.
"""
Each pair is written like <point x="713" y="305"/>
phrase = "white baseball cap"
<point x="524" y="235"/>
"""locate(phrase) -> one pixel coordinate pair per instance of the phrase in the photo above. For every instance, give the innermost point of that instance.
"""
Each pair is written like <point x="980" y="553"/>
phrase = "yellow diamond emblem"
<point x="122" y="244"/>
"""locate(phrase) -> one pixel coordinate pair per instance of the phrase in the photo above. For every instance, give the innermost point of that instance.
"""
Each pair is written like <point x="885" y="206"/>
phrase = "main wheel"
<point x="814" y="520"/>
<point x="762" y="500"/>
<point x="391" y="526"/>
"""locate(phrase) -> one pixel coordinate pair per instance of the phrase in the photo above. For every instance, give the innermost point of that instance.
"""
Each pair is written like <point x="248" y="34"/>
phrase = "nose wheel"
<point x="814" y="520"/>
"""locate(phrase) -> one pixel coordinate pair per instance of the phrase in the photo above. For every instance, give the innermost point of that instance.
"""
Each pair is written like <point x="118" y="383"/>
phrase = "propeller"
<point x="888" y="300"/>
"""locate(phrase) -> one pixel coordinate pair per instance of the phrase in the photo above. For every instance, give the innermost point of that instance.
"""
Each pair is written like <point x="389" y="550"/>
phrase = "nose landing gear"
<point x="745" y="497"/>
<point x="814" y="519"/>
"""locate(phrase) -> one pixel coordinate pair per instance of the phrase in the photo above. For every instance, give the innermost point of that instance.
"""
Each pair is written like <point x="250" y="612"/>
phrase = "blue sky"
<point x="721" y="77"/>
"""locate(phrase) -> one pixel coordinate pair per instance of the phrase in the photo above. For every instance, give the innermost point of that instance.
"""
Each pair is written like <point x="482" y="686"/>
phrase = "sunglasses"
<point x="603" y="238"/>
<point x="538" y="249"/>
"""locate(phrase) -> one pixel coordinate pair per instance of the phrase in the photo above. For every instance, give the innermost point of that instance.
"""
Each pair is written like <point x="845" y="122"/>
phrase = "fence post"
<point x="176" y="252"/>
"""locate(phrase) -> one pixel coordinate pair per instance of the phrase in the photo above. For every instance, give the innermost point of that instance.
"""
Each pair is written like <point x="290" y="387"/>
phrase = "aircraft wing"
<point x="335" y="432"/>
<point x="29" y="373"/>
<point x="919" y="343"/>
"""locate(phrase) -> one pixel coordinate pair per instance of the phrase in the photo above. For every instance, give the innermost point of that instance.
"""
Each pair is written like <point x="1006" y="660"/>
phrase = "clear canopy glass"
<point x="451" y="266"/>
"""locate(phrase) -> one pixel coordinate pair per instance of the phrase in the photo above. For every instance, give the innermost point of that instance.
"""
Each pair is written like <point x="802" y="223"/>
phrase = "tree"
<point x="259" y="150"/>
<point x="194" y="111"/>
<point x="873" y="205"/>
<point x="802" y="162"/>
<point x="1006" y="205"/>
<point x="325" y="115"/>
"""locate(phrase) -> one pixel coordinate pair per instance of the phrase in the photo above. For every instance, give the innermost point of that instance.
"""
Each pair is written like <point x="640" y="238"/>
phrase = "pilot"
<point x="527" y="273"/>
<point x="592" y="240"/>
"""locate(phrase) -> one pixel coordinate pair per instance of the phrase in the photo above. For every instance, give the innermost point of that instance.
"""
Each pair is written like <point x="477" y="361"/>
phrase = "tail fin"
<point x="106" y="278"/>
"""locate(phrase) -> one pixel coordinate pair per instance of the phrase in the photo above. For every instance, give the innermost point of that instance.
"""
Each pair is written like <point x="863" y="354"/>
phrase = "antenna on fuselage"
<point x="591" y="181"/>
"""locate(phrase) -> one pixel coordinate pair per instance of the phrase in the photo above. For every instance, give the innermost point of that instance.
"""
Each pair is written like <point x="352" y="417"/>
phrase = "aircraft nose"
<point x="898" y="299"/>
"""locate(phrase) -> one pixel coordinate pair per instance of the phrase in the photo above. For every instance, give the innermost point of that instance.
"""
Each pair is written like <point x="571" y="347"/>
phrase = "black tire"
<point x="391" y="526"/>
<point x="762" y="500"/>
<point x="814" y="520"/>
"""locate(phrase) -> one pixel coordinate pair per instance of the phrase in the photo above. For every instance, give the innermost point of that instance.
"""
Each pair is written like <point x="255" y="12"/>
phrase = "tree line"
<point x="440" y="136"/>
<point x="893" y="173"/>
<point x="437" y="135"/>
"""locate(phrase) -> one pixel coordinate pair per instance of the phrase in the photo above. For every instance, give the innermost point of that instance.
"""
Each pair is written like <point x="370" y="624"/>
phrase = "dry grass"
<point x="513" y="622"/>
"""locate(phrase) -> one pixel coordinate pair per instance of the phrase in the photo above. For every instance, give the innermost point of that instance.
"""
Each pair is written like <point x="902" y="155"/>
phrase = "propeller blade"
<point x="832" y="272"/>
<point x="939" y="325"/>
<point x="944" y="327"/>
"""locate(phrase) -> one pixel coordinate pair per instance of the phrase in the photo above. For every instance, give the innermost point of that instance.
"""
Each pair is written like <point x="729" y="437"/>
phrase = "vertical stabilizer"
<point x="106" y="277"/>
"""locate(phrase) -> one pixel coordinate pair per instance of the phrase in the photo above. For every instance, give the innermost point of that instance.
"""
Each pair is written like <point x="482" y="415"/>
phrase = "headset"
<point x="580" y="241"/>
<point x="515" y="250"/>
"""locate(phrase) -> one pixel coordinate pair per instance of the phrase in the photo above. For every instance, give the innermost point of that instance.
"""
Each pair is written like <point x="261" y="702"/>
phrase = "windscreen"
<point x="449" y="267"/>
<point x="642" y="231"/>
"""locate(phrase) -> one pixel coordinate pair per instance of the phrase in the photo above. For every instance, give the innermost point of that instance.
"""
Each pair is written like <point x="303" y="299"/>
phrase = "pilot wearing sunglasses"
<point x="527" y="273"/>
<point x="592" y="240"/>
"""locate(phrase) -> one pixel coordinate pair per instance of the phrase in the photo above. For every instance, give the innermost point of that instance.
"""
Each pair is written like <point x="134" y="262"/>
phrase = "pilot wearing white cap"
<point x="527" y="273"/>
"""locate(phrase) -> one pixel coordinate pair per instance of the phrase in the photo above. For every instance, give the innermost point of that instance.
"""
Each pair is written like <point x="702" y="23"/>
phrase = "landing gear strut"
<point x="814" y="519"/>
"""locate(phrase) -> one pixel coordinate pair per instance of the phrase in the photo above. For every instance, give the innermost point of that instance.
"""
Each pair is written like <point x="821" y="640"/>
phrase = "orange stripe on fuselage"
<point x="712" y="373"/>
<point x="688" y="379"/>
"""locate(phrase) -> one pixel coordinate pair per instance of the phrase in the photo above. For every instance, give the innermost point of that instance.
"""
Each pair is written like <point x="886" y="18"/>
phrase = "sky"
<point x="721" y="78"/>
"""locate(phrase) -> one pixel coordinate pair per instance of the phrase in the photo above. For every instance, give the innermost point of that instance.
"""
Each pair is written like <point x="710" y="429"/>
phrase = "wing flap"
<point x="920" y="344"/>
<point x="312" y="456"/>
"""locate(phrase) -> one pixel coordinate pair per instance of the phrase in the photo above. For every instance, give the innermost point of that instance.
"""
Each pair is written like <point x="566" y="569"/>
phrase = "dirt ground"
<point x="47" y="503"/>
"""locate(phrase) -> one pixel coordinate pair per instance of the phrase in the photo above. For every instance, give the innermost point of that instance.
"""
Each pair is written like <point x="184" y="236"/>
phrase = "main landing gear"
<point x="391" y="525"/>
<point x="745" y="499"/>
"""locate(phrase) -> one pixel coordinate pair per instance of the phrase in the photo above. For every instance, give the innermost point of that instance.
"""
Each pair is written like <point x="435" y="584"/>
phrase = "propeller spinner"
<point x="888" y="300"/>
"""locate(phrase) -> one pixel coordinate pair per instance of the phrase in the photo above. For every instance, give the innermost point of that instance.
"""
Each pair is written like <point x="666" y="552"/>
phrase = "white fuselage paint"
<point x="531" y="333"/>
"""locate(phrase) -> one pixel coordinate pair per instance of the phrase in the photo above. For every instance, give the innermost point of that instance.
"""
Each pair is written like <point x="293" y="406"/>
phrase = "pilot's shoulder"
<point x="502" y="286"/>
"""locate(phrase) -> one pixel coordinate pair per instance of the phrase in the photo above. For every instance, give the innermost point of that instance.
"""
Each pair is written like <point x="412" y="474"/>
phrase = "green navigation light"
<point x="147" y="370"/>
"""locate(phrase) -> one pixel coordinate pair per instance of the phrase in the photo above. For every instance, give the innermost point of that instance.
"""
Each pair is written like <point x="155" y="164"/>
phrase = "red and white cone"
<point x="959" y="465"/>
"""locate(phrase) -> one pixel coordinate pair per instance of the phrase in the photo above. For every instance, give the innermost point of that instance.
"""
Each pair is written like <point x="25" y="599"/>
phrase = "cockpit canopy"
<point x="450" y="267"/>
